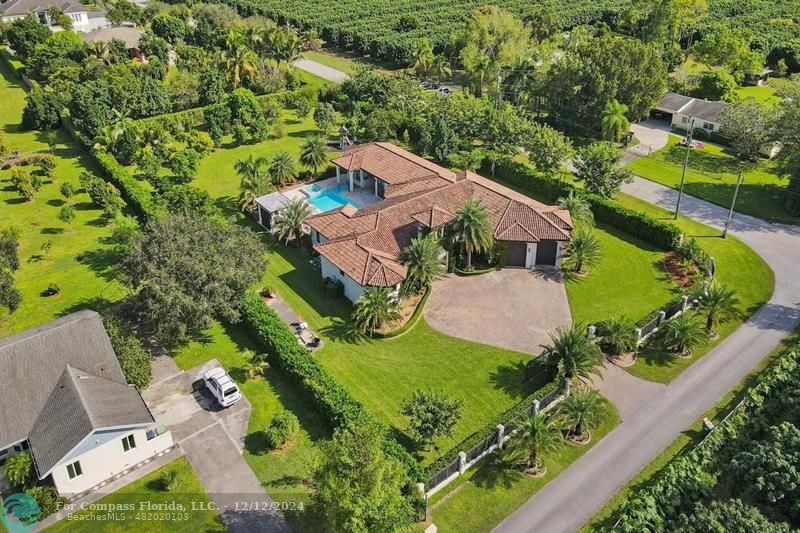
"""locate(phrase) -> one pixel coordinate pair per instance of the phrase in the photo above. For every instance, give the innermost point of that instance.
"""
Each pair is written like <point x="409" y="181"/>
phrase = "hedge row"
<point x="640" y="225"/>
<point x="294" y="360"/>
<point x="503" y="418"/>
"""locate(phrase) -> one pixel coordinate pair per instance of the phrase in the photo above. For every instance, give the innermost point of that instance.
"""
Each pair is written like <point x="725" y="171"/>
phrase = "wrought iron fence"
<point x="443" y="474"/>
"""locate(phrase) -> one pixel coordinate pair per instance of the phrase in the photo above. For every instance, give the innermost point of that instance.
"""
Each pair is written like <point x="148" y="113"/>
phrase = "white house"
<point x="64" y="398"/>
<point x="16" y="9"/>
<point x="680" y="110"/>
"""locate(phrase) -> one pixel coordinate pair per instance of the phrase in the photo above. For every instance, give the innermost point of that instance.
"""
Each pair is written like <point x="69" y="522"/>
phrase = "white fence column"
<point x="638" y="336"/>
<point x="536" y="407"/>
<point x="662" y="316"/>
<point x="684" y="303"/>
<point x="592" y="331"/>
<point x="501" y="434"/>
<point x="567" y="386"/>
<point x="462" y="462"/>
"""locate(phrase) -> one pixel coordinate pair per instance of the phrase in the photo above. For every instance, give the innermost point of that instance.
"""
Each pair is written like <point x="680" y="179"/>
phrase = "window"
<point x="74" y="470"/>
<point x="128" y="443"/>
<point x="684" y="120"/>
<point x="708" y="126"/>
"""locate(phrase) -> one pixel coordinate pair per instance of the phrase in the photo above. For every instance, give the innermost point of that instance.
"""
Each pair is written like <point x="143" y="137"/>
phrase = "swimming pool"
<point x="329" y="199"/>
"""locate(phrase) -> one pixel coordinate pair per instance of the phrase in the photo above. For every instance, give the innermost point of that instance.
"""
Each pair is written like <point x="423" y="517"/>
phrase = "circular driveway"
<point x="512" y="308"/>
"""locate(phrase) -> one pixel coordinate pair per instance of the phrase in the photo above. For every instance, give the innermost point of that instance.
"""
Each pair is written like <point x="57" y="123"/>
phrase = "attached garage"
<point x="546" y="253"/>
<point x="517" y="253"/>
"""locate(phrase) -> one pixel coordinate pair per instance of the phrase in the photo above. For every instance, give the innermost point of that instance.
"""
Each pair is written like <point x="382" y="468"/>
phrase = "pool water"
<point x="330" y="199"/>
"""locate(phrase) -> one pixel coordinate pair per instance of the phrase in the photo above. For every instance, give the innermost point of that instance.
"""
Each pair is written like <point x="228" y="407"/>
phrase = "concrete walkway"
<point x="323" y="71"/>
<point x="567" y="502"/>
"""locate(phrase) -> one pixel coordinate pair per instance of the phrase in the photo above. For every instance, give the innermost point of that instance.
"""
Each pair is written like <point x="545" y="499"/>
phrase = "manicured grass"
<point x="188" y="491"/>
<point x="762" y="93"/>
<point x="283" y="473"/>
<point x="712" y="176"/>
<point x="88" y="283"/>
<point x="630" y="280"/>
<point x="484" y="496"/>
<point x="738" y="267"/>
<point x="329" y="60"/>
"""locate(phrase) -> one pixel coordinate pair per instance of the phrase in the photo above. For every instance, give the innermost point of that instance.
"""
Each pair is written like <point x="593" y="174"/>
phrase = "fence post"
<point x="684" y="303"/>
<point x="662" y="316"/>
<point x="638" y="336"/>
<point x="501" y="434"/>
<point x="567" y="386"/>
<point x="462" y="463"/>
<point x="535" y="407"/>
<point x="592" y="331"/>
<point x="421" y="490"/>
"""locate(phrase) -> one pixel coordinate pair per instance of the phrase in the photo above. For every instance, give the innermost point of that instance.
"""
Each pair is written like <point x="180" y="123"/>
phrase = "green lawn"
<point x="283" y="472"/>
<point x="188" y="491"/>
<point x="484" y="496"/>
<point x="607" y="292"/>
<point x="329" y="60"/>
<point x="83" y="284"/>
<point x="712" y="176"/>
<point x="762" y="93"/>
<point x="738" y="267"/>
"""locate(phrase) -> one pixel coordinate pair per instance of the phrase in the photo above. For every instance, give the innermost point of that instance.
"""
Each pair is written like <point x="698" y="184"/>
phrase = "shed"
<point x="267" y="206"/>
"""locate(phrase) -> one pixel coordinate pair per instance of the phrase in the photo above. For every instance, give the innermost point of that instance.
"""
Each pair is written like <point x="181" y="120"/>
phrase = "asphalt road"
<point x="570" y="500"/>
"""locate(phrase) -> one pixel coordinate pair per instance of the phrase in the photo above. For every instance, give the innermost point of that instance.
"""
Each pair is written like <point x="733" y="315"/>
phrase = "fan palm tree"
<point x="421" y="59"/>
<point x="583" y="250"/>
<point x="535" y="438"/>
<point x="423" y="261"/>
<point x="619" y="335"/>
<point x="281" y="169"/>
<point x="254" y="181"/>
<point x="613" y="123"/>
<point x="683" y="334"/>
<point x="720" y="304"/>
<point x="579" y="208"/>
<point x="440" y="66"/>
<point x="314" y="152"/>
<point x="289" y="221"/>
<point x="472" y="229"/>
<point x="374" y="307"/>
<point x="582" y="411"/>
<point x="572" y="354"/>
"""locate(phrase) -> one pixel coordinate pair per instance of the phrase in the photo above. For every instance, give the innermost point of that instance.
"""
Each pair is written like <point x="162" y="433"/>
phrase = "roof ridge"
<point x="57" y="324"/>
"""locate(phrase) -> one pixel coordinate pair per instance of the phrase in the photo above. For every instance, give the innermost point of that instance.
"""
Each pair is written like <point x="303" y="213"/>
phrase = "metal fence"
<point x="439" y="477"/>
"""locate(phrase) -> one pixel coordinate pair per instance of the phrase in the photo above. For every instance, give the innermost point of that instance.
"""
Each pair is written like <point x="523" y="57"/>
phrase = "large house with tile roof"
<point x="64" y="399"/>
<point x="361" y="247"/>
<point x="16" y="9"/>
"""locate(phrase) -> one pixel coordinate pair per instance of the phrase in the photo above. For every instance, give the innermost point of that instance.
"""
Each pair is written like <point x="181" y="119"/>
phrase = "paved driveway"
<point x="512" y="308"/>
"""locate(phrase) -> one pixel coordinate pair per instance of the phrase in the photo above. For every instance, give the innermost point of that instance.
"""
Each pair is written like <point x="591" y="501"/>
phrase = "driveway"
<point x="213" y="440"/>
<point x="652" y="135"/>
<point x="323" y="71"/>
<point x="512" y="308"/>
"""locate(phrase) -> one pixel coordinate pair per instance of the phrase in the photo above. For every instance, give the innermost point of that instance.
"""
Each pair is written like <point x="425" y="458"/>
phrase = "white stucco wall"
<point x="108" y="460"/>
<point x="678" y="122"/>
<point x="352" y="290"/>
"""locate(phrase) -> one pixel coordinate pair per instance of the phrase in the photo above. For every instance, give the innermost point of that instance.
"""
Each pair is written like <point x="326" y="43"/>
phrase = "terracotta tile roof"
<point x="390" y="163"/>
<point x="366" y="244"/>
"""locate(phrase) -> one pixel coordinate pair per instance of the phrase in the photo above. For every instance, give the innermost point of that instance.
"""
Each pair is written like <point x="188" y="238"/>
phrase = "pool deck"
<point x="360" y="197"/>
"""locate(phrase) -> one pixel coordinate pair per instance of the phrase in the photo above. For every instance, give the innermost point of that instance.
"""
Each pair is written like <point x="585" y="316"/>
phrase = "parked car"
<point x="222" y="387"/>
<point x="444" y="91"/>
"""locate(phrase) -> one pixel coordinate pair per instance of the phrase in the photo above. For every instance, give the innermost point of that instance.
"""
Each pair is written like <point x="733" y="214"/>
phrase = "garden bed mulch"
<point x="682" y="275"/>
<point x="407" y="307"/>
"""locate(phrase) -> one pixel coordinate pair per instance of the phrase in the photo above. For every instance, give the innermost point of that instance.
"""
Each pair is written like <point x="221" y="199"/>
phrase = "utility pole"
<point x="733" y="202"/>
<point x="685" y="164"/>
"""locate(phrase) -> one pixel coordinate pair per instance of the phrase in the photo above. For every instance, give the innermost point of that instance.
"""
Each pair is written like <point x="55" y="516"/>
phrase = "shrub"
<point x="168" y="481"/>
<point x="52" y="289"/>
<point x="280" y="429"/>
<point x="47" y="498"/>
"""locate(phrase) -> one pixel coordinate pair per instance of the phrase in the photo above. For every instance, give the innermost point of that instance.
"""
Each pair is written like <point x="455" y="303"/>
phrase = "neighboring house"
<point x="130" y="36"/>
<point x="361" y="247"/>
<point x="64" y="398"/>
<point x="16" y="9"/>
<point x="679" y="110"/>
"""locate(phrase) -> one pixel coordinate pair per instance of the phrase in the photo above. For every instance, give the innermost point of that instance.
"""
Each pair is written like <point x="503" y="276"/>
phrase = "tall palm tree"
<point x="314" y="152"/>
<point x="424" y="262"/>
<point x="619" y="335"/>
<point x="289" y="221"/>
<point x="254" y="182"/>
<point x="572" y="354"/>
<point x="238" y="60"/>
<point x="287" y="46"/>
<point x="281" y="169"/>
<point x="472" y="229"/>
<point x="579" y="208"/>
<point x="613" y="123"/>
<point x="420" y="60"/>
<point x="583" y="250"/>
<point x="582" y="411"/>
<point x="535" y="438"/>
<point x="440" y="66"/>
<point x="720" y="304"/>
<point x="374" y="307"/>
<point x="683" y="334"/>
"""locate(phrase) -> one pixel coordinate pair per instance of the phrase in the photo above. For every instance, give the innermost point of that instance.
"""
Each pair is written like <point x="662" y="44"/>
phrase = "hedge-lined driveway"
<point x="512" y="308"/>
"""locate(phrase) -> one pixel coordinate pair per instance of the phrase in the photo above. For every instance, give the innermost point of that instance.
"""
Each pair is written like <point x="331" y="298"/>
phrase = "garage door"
<point x="516" y="254"/>
<point x="546" y="252"/>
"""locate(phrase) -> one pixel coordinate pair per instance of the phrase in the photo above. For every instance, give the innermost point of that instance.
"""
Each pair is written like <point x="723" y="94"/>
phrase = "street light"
<point x="685" y="164"/>
<point x="733" y="202"/>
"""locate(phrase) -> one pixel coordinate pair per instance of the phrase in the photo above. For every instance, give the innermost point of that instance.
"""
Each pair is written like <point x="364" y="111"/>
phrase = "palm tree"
<point x="421" y="58"/>
<point x="720" y="304"/>
<point x="619" y="335"/>
<point x="683" y="334"/>
<point x="281" y="169"/>
<point x="572" y="354"/>
<point x="613" y="123"/>
<point x="255" y="366"/>
<point x="579" y="208"/>
<point x="287" y="46"/>
<point x="583" y="250"/>
<point x="374" y="307"/>
<point x="582" y="411"/>
<point x="440" y="66"/>
<point x="314" y="152"/>
<point x="472" y="228"/>
<point x="424" y="262"/>
<point x="254" y="181"/>
<point x="238" y="60"/>
<point x="289" y="221"/>
<point x="100" y="51"/>
<point x="535" y="438"/>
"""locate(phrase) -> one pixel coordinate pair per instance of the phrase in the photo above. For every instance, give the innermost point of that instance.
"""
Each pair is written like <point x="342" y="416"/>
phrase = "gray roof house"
<point x="14" y="9"/>
<point x="681" y="110"/>
<point x="64" y="398"/>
